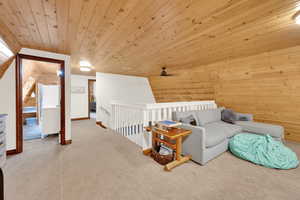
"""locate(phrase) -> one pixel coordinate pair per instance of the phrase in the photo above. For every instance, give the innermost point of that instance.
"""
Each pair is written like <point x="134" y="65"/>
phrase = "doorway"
<point x="40" y="99"/>
<point x="92" y="98"/>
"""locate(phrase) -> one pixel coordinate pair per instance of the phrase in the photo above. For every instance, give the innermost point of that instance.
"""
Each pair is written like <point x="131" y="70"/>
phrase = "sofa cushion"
<point x="208" y="116"/>
<point x="191" y="119"/>
<point x="182" y="116"/>
<point x="227" y="129"/>
<point x="213" y="136"/>
<point x="261" y="128"/>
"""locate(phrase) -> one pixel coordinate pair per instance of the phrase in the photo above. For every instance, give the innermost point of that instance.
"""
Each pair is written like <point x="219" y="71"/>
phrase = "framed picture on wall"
<point x="78" y="89"/>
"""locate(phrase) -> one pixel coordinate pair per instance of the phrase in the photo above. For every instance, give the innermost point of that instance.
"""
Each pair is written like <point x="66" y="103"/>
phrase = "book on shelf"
<point x="168" y="124"/>
<point x="163" y="129"/>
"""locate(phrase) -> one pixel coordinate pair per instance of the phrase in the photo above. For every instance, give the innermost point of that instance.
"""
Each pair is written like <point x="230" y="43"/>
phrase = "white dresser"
<point x="50" y="121"/>
<point x="2" y="139"/>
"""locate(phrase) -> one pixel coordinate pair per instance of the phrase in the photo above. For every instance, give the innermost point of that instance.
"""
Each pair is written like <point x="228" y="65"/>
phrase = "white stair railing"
<point x="129" y="120"/>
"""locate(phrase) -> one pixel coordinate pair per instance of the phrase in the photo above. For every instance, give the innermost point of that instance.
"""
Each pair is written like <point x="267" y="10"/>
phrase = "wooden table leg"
<point x="178" y="148"/>
<point x="179" y="159"/>
<point x="175" y="163"/>
<point x="147" y="152"/>
<point x="153" y="140"/>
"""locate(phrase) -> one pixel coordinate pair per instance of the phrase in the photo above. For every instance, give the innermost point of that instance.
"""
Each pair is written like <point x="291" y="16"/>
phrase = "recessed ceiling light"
<point x="85" y="63"/>
<point x="85" y="69"/>
<point x="85" y="66"/>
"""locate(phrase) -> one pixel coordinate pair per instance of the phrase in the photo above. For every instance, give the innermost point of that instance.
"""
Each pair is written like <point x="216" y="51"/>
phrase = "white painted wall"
<point x="120" y="88"/>
<point x="8" y="92"/>
<point x="8" y="104"/>
<point x="80" y="102"/>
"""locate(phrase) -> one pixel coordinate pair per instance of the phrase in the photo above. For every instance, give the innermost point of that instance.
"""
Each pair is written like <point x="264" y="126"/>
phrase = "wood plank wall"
<point x="267" y="85"/>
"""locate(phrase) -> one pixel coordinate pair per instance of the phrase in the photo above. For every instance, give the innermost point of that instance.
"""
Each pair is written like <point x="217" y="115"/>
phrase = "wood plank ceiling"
<point x="138" y="37"/>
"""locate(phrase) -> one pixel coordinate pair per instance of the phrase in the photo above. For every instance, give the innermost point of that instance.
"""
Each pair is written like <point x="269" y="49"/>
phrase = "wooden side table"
<point x="173" y="134"/>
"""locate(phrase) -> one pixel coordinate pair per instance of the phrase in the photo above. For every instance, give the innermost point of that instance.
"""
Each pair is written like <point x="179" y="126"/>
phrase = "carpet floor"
<point x="100" y="165"/>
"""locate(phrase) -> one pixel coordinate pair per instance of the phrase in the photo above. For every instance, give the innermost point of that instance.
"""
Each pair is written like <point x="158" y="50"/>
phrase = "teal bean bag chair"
<point x="263" y="150"/>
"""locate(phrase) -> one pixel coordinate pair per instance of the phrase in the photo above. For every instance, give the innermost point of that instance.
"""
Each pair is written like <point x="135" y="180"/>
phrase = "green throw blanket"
<point x="263" y="150"/>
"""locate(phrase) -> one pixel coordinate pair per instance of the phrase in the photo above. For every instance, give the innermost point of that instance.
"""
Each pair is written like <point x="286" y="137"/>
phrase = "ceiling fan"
<point x="164" y="72"/>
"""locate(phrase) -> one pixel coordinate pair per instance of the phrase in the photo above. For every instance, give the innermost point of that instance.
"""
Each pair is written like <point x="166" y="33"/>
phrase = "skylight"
<point x="4" y="50"/>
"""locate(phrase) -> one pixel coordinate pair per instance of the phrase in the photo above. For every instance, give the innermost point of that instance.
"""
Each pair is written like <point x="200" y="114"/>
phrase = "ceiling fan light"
<point x="164" y="72"/>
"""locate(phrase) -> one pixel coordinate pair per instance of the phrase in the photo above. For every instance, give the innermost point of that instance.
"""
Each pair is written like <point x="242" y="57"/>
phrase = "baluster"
<point x="173" y="109"/>
<point x="158" y="111"/>
<point x="146" y="138"/>
<point x="111" y="119"/>
<point x="121" y="120"/>
<point x="153" y="116"/>
<point x="126" y="122"/>
<point x="115" y="118"/>
<point x="170" y="113"/>
<point x="130" y="122"/>
<point x="165" y="114"/>
<point x="118" y="118"/>
<point x="133" y="124"/>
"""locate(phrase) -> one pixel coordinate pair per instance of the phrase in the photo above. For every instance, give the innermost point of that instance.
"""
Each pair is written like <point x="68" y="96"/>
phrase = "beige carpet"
<point x="100" y="165"/>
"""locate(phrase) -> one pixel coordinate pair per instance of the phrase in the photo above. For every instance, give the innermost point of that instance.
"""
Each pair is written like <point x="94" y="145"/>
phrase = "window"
<point x="5" y="52"/>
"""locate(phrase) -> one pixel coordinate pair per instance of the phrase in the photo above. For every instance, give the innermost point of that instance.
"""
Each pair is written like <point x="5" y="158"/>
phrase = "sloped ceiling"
<point x="138" y="37"/>
<point x="43" y="72"/>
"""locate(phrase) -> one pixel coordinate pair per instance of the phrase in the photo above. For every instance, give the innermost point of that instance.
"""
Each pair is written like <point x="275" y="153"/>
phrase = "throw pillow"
<point x="243" y="118"/>
<point x="228" y="116"/>
<point x="188" y="120"/>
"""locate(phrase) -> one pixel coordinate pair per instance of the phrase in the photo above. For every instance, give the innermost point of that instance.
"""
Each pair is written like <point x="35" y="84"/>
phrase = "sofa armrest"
<point x="196" y="140"/>
<point x="248" y="117"/>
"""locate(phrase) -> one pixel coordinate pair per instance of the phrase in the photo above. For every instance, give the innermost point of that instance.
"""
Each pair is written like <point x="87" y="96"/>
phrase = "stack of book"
<point x="166" y="125"/>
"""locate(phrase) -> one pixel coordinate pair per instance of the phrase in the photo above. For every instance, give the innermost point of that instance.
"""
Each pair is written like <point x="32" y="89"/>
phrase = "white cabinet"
<point x="49" y="109"/>
<point x="50" y="121"/>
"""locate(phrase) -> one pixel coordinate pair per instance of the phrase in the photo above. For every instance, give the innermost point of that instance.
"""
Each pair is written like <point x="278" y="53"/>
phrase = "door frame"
<point x="89" y="94"/>
<point x="19" y="100"/>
